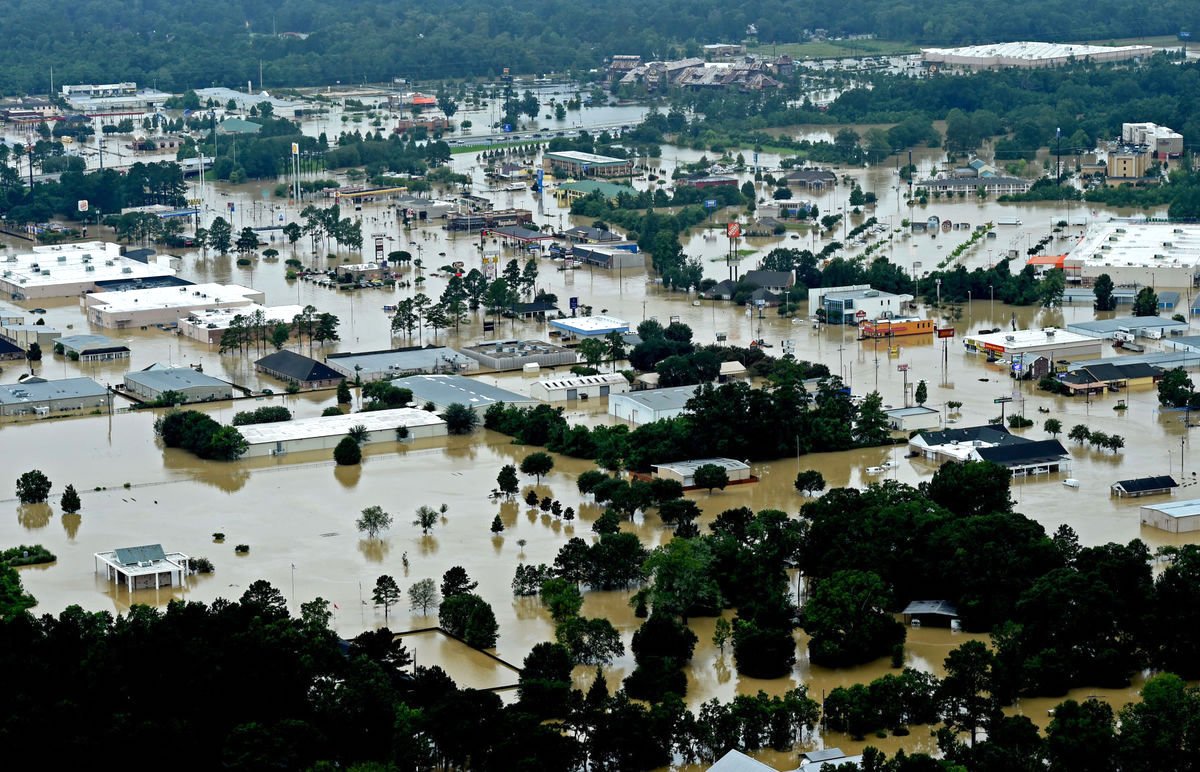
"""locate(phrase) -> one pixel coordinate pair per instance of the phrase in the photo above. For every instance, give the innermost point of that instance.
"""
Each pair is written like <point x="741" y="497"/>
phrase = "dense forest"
<point x="179" y="45"/>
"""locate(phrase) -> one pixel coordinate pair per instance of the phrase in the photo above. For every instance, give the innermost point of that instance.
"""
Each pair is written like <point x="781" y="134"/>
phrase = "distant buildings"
<point x="1028" y="55"/>
<point x="1160" y="141"/>
<point x="112" y="98"/>
<point x="1027" y="344"/>
<point x="744" y="73"/>
<point x="573" y="163"/>
<point x="445" y="390"/>
<point x="209" y="324"/>
<point x="589" y="326"/>
<point x="569" y="192"/>
<point x="992" y="443"/>
<point x="325" y="432"/>
<point x="1136" y="254"/>
<point x="67" y="270"/>
<point x="684" y="472"/>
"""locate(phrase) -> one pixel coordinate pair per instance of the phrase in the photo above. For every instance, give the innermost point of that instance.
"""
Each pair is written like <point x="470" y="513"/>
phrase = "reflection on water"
<point x="33" y="516"/>
<point x="71" y="524"/>
<point x="374" y="550"/>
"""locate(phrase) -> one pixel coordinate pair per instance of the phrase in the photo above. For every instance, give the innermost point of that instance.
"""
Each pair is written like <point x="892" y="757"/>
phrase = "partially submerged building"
<point x="38" y="396"/>
<point x="394" y="363"/>
<point x="571" y="388"/>
<point x="325" y="432"/>
<point x="445" y="390"/>
<point x="305" y="372"/>
<point x="517" y="354"/>
<point x="643" y="407"/>
<point x="165" y="306"/>
<point x="152" y="383"/>
<point x="67" y="270"/>
<point x="143" y="568"/>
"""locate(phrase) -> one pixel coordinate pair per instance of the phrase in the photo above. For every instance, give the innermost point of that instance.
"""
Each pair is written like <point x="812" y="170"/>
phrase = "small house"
<point x="685" y="471"/>
<point x="290" y="367"/>
<point x="933" y="613"/>
<point x="909" y="419"/>
<point x="1144" y="486"/>
<point x="143" y="568"/>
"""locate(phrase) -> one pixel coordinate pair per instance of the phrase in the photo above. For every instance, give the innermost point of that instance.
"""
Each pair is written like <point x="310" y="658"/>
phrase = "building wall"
<point x="1129" y="275"/>
<point x="201" y="393"/>
<point x="637" y="413"/>
<point x="33" y="292"/>
<point x="1163" y="522"/>
<point x="538" y="390"/>
<point x="330" y="442"/>
<point x="1127" y="164"/>
<point x="99" y="402"/>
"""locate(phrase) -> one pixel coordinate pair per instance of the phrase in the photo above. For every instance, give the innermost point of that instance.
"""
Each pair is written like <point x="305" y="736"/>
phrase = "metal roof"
<point x="689" y="467"/>
<point x="736" y="761"/>
<point x="144" y="554"/>
<point x="83" y="343"/>
<point x="447" y="389"/>
<point x="1131" y="322"/>
<point x="942" y="608"/>
<point x="331" y="426"/>
<point x="172" y="379"/>
<point x="415" y="358"/>
<point x="674" y="398"/>
<point x="1142" y="484"/>
<point x="603" y="379"/>
<point x="1177" y="509"/>
<point x="1018" y="454"/>
<point x="297" y="367"/>
<point x="45" y="391"/>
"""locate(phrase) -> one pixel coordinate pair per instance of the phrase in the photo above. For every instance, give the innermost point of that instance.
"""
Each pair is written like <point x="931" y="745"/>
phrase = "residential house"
<point x="1144" y="486"/>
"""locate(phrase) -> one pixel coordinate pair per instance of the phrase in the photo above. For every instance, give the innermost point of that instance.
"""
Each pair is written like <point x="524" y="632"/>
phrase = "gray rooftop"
<point x="446" y="389"/>
<point x="172" y="379"/>
<point x="736" y="761"/>
<point x="83" y="343"/>
<point x="689" y="467"/>
<point x="42" y="391"/>
<point x="936" y="607"/>
<point x="1189" y="508"/>
<point x="145" y="554"/>
<point x="912" y="410"/>
<point x="1100" y="326"/>
<point x="661" y="399"/>
<point x="405" y="360"/>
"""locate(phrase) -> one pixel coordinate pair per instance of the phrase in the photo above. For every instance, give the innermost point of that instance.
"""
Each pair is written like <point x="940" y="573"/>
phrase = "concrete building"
<point x="573" y="163"/>
<point x="325" y="432"/>
<point x="1136" y="254"/>
<point x="444" y="390"/>
<point x="907" y="419"/>
<point x="306" y="372"/>
<point x="1160" y="141"/>
<point x="579" y="387"/>
<point x="113" y="98"/>
<point x="394" y="363"/>
<point x="852" y="304"/>
<point x="1127" y="165"/>
<point x="156" y="380"/>
<point x="11" y="314"/>
<point x="92" y="348"/>
<point x="1173" y="517"/>
<point x="517" y="354"/>
<point x="38" y="396"/>
<point x="165" y="305"/>
<point x="609" y="256"/>
<point x="25" y="335"/>
<point x="1028" y="54"/>
<point x="208" y="325"/>
<point x="1027" y="344"/>
<point x="589" y="326"/>
<point x="685" y="471"/>
<point x="143" y="568"/>
<point x="643" y="407"/>
<point x="10" y="351"/>
<point x="992" y="186"/>
<point x="1153" y="327"/>
<point x="66" y="270"/>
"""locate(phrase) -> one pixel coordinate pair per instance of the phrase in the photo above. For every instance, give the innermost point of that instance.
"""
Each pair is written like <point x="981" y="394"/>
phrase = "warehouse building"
<point x="394" y="363"/>
<point x="517" y="354"/>
<point x="579" y="387"/>
<point x="92" y="348"/>
<point x="209" y="325"/>
<point x="573" y="163"/>
<point x="1137" y="253"/>
<point x="445" y="390"/>
<point x="165" y="305"/>
<point x="685" y="471"/>
<point x="610" y="256"/>
<point x="1173" y="517"/>
<point x="1029" y="54"/>
<point x="1153" y="327"/>
<point x="325" y="432"/>
<point x="590" y="326"/>
<point x="156" y="380"/>
<point x="25" y="335"/>
<point x="67" y="270"/>
<point x="38" y="396"/>
<point x="643" y="407"/>
<point x="1054" y="343"/>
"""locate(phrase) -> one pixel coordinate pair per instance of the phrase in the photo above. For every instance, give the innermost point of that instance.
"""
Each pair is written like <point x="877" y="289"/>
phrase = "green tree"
<point x="810" y="481"/>
<point x="1050" y="288"/>
<point x="1103" y="290"/>
<point x="497" y="525"/>
<point x="386" y="594"/>
<point x="537" y="464"/>
<point x="871" y="424"/>
<point x="343" y="393"/>
<point x="1175" y="389"/>
<point x="220" y="235"/>
<point x="33" y="487"/>
<point x="590" y="641"/>
<point x="373" y="520"/>
<point x="562" y="598"/>
<point x="423" y="595"/>
<point x="469" y="617"/>
<point x="965" y="691"/>
<point x="970" y="488"/>
<point x="347" y="452"/>
<point x="544" y="687"/>
<point x="1146" y="302"/>
<point x="711" y="476"/>
<point x="70" y="502"/>
<point x="426" y="519"/>
<point x="247" y="240"/>
<point x="848" y="620"/>
<point x="1080" y="433"/>
<point x="1081" y="737"/>
<point x="507" y="481"/>
<point x="592" y="350"/>
<point x="456" y="582"/>
<point x="722" y="632"/>
<point x="1052" y="426"/>
<point x="921" y="396"/>
<point x="460" y="419"/>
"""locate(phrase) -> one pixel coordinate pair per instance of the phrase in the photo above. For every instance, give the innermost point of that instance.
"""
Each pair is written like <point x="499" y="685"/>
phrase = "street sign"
<point x="231" y="206"/>
<point x="295" y="148"/>
<point x="945" y="332"/>
<point x="1001" y="400"/>
<point x="733" y="230"/>
<point x="710" y="203"/>
<point x="860" y="314"/>
<point x="82" y="205"/>
<point x="379" y="248"/>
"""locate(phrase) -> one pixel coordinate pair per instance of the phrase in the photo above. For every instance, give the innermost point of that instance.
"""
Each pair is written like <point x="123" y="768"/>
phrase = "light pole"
<point x="992" y="295"/>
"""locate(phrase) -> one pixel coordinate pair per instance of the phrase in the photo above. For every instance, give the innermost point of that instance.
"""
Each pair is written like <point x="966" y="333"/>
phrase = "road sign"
<point x="1001" y="400"/>
<point x="710" y="203"/>
<point x="860" y="314"/>
<point x="945" y="332"/>
<point x="82" y="205"/>
<point x="573" y="303"/>
<point x="902" y="368"/>
<point x="733" y="230"/>
<point x="295" y="148"/>
<point x="231" y="206"/>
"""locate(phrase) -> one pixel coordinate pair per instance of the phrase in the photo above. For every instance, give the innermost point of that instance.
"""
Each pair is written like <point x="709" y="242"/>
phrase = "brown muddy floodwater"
<point x="297" y="512"/>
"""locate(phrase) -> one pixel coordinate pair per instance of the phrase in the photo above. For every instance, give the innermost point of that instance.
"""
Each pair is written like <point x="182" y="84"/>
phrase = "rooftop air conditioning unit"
<point x="89" y="268"/>
<point x="1010" y="338"/>
<point x="62" y="258"/>
<point x="108" y="262"/>
<point x="126" y="269"/>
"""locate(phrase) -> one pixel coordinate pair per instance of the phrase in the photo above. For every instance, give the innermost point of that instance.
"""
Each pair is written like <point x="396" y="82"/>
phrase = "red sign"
<point x="860" y="315"/>
<point x="902" y="368"/>
<point x="945" y="332"/>
<point x="733" y="230"/>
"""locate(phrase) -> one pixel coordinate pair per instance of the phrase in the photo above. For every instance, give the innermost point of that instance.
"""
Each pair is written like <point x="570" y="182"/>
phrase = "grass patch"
<point x="457" y="149"/>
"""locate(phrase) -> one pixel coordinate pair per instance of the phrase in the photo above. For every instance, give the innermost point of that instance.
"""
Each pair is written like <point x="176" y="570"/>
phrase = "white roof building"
<point x="275" y="439"/>
<point x="1049" y="341"/>
<point x="143" y="568"/>
<point x="64" y="270"/>
<point x="165" y="305"/>
<point x="1137" y="254"/>
<point x="579" y="387"/>
<point x="208" y="325"/>
<point x="1174" y="517"/>
<point x="643" y="407"/>
<point x="590" y="326"/>
<point x="1029" y="54"/>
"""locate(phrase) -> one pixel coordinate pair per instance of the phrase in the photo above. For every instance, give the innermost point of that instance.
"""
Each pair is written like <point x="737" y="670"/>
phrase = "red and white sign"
<point x="82" y="204"/>
<point x="945" y="332"/>
<point x="733" y="230"/>
<point x="860" y="315"/>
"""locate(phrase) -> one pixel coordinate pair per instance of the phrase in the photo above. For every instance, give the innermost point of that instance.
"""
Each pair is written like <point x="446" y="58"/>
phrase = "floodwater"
<point x="297" y="512"/>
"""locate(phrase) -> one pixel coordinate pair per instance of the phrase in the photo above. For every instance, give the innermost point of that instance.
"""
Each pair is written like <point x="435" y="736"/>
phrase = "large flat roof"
<point x="173" y="297"/>
<point x="1137" y="245"/>
<point x="1022" y="338"/>
<point x="172" y="378"/>
<point x="1032" y="51"/>
<point x="42" y="391"/>
<point x="88" y="261"/>
<point x="586" y="158"/>
<point x="1176" y="509"/>
<point x="221" y="318"/>
<point x="689" y="467"/>
<point x="329" y="426"/>
<point x="591" y="325"/>
<point x="582" y="380"/>
<point x="673" y="398"/>
<point x="416" y="358"/>
<point x="447" y="389"/>
<point x="515" y="348"/>
<point x="1130" y="322"/>
<point x="82" y="343"/>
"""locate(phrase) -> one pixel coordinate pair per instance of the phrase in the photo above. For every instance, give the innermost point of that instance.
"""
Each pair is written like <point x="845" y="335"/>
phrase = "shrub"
<point x="70" y="502"/>
<point x="330" y="411"/>
<point x="347" y="452"/>
<point x="202" y="565"/>
<point x="199" y="433"/>
<point x="242" y="549"/>
<point x="218" y="536"/>
<point x="26" y="556"/>
<point x="263" y="415"/>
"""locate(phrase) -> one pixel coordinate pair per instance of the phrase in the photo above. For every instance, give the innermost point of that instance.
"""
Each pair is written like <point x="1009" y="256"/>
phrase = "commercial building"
<point x="772" y="281"/>
<point x="1173" y="517"/>
<point x="10" y="351"/>
<point x="573" y="163"/>
<point x="209" y="325"/>
<point x="610" y="256"/>
<point x="852" y="304"/>
<point x="280" y="108"/>
<point x="113" y="98"/>
<point x="1028" y="54"/>
<point x="143" y="568"/>
<point x="1160" y="141"/>
<point x="1136" y="254"/>
<point x="811" y="179"/>
<point x="1127" y="165"/>
<point x="568" y="192"/>
<point x="194" y="386"/>
<point x="394" y="363"/>
<point x="305" y="372"/>
<point x="1054" y="343"/>
<point x="908" y="419"/>
<point x="325" y="432"/>
<point x="38" y="396"/>
<point x="92" y="348"/>
<point x="1112" y="374"/>
<point x="66" y="270"/>
<point x="589" y="326"/>
<point x="896" y="327"/>
<point x="517" y="354"/>
<point x="165" y="305"/>
<point x="585" y="234"/>
<point x="958" y="444"/>
<point x="643" y="407"/>
<point x="1153" y="327"/>
<point x="685" y="471"/>
<point x="579" y="387"/>
<point x="444" y="390"/>
<point x="25" y="335"/>
<point x="992" y="186"/>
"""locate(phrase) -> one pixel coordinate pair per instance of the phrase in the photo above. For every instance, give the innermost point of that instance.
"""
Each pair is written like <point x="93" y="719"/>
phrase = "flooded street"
<point x="297" y="512"/>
